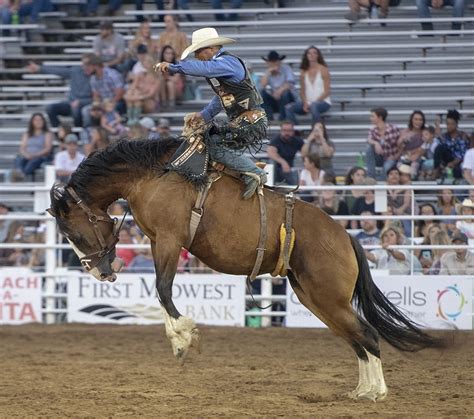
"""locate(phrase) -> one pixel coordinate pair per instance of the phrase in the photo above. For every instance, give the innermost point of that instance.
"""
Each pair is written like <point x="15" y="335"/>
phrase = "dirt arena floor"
<point x="129" y="371"/>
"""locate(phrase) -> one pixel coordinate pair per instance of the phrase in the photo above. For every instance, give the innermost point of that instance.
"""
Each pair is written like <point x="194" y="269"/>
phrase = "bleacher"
<point x="371" y="65"/>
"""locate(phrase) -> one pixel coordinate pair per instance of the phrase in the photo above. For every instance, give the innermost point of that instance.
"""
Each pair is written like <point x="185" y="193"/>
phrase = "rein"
<point x="91" y="260"/>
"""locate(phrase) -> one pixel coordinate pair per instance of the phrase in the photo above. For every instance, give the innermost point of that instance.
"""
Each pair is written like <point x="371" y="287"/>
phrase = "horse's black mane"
<point x="123" y="155"/>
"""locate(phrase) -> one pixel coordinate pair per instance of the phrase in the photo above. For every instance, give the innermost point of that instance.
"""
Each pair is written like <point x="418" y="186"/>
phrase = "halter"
<point x="91" y="260"/>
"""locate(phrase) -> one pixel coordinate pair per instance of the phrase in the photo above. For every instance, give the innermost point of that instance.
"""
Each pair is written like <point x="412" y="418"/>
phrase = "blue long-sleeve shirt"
<point x="218" y="66"/>
<point x="79" y="85"/>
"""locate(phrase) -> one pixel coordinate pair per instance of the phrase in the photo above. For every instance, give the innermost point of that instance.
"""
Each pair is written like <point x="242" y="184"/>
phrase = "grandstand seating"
<point x="370" y="65"/>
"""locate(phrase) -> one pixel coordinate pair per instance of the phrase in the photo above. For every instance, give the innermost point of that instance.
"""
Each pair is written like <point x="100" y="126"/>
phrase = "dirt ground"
<point x="129" y="371"/>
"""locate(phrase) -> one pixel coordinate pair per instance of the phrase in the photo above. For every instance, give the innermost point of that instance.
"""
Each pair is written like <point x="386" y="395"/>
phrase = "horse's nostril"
<point x="103" y="276"/>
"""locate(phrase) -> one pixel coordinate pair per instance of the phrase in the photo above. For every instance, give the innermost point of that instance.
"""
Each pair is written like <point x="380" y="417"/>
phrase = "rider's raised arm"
<point x="220" y="66"/>
<point x="212" y="109"/>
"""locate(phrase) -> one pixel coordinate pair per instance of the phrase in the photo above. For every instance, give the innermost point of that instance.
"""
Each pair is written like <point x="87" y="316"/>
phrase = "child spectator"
<point x="411" y="141"/>
<point x="315" y="87"/>
<point x="311" y="175"/>
<point x="35" y="147"/>
<point x="111" y="120"/>
<point x="430" y="142"/>
<point x="447" y="206"/>
<point x="459" y="261"/>
<point x="67" y="161"/>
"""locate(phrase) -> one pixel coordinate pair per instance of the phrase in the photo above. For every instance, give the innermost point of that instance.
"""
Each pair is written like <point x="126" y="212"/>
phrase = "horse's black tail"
<point x="386" y="318"/>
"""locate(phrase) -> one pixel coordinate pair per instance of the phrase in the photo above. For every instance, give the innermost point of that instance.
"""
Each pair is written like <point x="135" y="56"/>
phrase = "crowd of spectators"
<point x="113" y="91"/>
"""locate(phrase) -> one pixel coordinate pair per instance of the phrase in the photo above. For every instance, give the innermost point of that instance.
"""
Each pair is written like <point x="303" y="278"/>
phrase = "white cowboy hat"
<point x="205" y="37"/>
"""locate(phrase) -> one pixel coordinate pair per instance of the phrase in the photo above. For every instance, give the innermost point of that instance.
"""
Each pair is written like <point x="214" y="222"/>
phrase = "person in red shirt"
<point x="125" y="254"/>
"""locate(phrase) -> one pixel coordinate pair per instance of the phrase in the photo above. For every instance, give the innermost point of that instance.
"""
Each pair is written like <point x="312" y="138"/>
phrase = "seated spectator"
<point x="4" y="224"/>
<point x="382" y="149"/>
<point x="142" y="95"/>
<point x="423" y="7"/>
<point x="355" y="5"/>
<point x="164" y="129"/>
<point x="466" y="226"/>
<point x="428" y="234"/>
<point x="149" y="125"/>
<point x="468" y="162"/>
<point x="282" y="150"/>
<point x="14" y="256"/>
<point x="234" y="4"/>
<point x="98" y="140"/>
<point x="422" y="226"/>
<point x="458" y="261"/>
<point x="410" y="142"/>
<point x="311" y="175"/>
<point x="431" y="259"/>
<point x="319" y="143"/>
<point x="105" y="83"/>
<point x="365" y="203"/>
<point x="447" y="206"/>
<point x="79" y="95"/>
<point x="453" y="146"/>
<point x="110" y="46"/>
<point x="399" y="199"/>
<point x="29" y="10"/>
<point x="67" y="161"/>
<point x="315" y="87"/>
<point x="172" y="36"/>
<point x="430" y="142"/>
<point x="370" y="234"/>
<point x="329" y="199"/>
<point x="277" y="85"/>
<point x="35" y="147"/>
<point x="111" y="120"/>
<point x="126" y="255"/>
<point x="355" y="176"/>
<point x="396" y="261"/>
<point x="63" y="131"/>
<point x="143" y="37"/>
<point x="171" y="85"/>
<point x="143" y="261"/>
<point x="139" y="67"/>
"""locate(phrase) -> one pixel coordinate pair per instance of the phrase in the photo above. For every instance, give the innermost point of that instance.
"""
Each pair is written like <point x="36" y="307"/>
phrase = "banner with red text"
<point x="20" y="296"/>
<point x="213" y="299"/>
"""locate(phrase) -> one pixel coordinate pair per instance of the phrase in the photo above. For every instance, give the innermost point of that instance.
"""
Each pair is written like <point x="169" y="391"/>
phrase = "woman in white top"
<point x="396" y="261"/>
<point x="311" y="175"/>
<point x="315" y="87"/>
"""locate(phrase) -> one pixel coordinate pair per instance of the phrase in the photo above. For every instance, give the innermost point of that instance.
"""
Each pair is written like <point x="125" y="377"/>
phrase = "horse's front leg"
<point x="180" y="330"/>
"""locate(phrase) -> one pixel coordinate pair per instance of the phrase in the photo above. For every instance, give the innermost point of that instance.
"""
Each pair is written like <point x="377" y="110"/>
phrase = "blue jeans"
<point x="372" y="160"/>
<point x="28" y="167"/>
<point x="34" y="8"/>
<point x="217" y="4"/>
<point x="64" y="109"/>
<point x="270" y="104"/>
<point x="423" y="7"/>
<point x="159" y="6"/>
<point x="316" y="108"/>
<point x="290" y="178"/>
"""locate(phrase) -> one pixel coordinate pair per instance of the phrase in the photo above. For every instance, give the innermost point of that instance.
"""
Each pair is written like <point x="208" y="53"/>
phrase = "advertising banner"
<point x="435" y="302"/>
<point x="20" y="296"/>
<point x="213" y="299"/>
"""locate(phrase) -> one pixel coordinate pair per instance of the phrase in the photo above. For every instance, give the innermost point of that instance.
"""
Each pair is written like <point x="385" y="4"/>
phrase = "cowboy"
<point x="236" y="94"/>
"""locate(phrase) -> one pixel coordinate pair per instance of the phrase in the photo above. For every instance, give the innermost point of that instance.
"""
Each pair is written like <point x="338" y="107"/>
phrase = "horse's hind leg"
<point x="338" y="314"/>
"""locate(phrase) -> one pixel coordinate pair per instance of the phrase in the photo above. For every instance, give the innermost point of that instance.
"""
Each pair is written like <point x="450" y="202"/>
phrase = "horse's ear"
<point x="58" y="202"/>
<point x="51" y="212"/>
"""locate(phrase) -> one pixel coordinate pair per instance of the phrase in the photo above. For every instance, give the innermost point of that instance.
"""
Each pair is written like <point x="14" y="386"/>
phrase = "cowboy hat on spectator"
<point x="204" y="38"/>
<point x="274" y="56"/>
<point x="467" y="203"/>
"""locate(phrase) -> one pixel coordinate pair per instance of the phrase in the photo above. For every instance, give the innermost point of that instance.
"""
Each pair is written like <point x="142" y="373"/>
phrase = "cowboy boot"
<point x="252" y="182"/>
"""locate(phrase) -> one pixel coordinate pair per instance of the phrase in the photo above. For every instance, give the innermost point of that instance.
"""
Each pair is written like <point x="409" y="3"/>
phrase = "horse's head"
<point x="90" y="231"/>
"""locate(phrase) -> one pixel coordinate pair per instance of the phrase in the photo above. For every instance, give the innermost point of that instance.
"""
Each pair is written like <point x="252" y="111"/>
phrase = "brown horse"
<point x="329" y="270"/>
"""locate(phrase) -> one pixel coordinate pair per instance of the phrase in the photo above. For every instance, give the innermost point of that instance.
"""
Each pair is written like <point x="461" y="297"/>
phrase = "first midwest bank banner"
<point x="213" y="299"/>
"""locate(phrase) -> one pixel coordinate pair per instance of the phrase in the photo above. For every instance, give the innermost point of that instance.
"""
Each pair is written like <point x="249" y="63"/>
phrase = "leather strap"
<point x="290" y="204"/>
<point x="198" y="210"/>
<point x="263" y="235"/>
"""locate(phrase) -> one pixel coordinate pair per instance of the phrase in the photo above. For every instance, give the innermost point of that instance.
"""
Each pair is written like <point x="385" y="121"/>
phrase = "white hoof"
<point x="183" y="334"/>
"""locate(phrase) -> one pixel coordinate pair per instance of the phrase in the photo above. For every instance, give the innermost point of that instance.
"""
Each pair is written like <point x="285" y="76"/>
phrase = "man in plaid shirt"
<point x="382" y="142"/>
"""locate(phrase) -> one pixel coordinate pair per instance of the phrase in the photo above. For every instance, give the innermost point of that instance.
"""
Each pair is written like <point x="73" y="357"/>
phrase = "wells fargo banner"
<point x="20" y="296"/>
<point x="213" y="299"/>
<point x="435" y="302"/>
